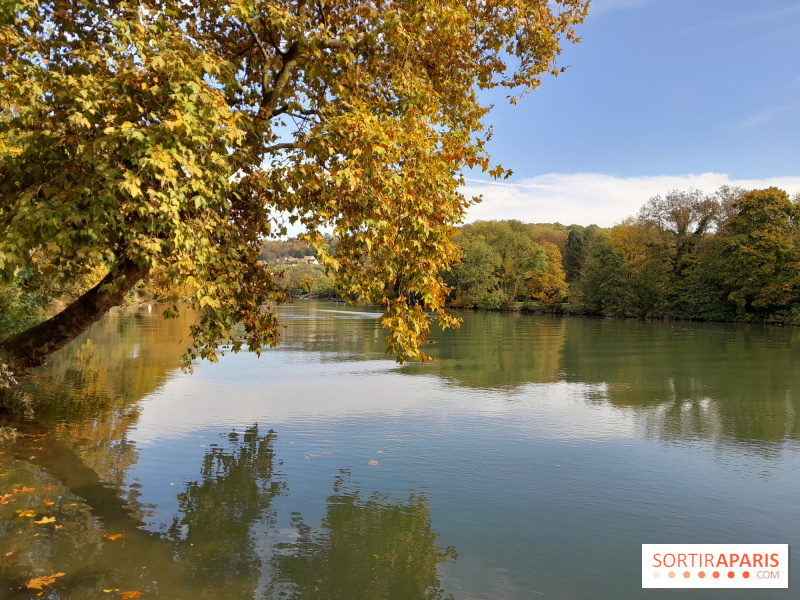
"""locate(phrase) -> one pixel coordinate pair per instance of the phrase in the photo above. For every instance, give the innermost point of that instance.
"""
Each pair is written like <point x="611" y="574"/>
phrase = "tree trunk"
<point x="32" y="347"/>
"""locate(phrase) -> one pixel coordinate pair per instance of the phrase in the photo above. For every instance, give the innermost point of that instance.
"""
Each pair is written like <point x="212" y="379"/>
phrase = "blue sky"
<point x="659" y="94"/>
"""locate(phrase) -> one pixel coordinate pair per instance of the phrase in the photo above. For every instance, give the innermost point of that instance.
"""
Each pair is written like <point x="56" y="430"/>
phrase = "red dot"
<point x="715" y="574"/>
<point x="686" y="574"/>
<point x="746" y="574"/>
<point x="701" y="574"/>
<point x="731" y="574"/>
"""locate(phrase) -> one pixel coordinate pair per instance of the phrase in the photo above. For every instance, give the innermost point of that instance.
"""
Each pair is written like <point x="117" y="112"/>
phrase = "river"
<point x="531" y="460"/>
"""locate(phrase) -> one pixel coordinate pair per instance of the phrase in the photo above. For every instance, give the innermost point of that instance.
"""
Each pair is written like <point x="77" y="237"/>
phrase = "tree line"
<point x="730" y="255"/>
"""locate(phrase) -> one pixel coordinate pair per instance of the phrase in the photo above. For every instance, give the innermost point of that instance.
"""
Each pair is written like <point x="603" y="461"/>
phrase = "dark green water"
<point x="531" y="461"/>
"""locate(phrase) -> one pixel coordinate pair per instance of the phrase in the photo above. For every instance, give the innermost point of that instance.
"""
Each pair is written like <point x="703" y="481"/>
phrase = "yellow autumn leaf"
<point x="26" y="513"/>
<point x="37" y="582"/>
<point x="46" y="520"/>
<point x="116" y="536"/>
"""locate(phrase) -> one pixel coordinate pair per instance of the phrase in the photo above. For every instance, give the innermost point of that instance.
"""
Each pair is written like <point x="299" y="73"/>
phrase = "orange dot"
<point x="731" y="574"/>
<point x="656" y="574"/>
<point x="702" y="574"/>
<point x="671" y="574"/>
<point x="746" y="574"/>
<point x="686" y="574"/>
<point x="715" y="574"/>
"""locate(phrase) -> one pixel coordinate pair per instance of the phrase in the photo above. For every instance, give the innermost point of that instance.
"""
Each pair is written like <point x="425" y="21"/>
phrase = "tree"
<point x="172" y="135"/>
<point x="761" y="253"/>
<point x="549" y="288"/>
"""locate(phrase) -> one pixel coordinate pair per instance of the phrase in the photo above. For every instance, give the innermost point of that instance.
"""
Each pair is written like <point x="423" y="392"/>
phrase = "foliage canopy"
<point x="169" y="135"/>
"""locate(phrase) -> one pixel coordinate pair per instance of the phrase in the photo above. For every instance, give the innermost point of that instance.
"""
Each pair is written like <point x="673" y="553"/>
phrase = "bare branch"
<point x="282" y="146"/>
<point x="258" y="41"/>
<point x="339" y="44"/>
<point x="269" y="101"/>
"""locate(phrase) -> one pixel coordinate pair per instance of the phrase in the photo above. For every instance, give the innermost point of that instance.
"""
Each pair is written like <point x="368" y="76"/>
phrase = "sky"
<point x="659" y="95"/>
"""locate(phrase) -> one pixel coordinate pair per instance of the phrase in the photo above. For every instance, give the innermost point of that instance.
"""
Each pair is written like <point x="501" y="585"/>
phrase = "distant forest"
<point x="730" y="255"/>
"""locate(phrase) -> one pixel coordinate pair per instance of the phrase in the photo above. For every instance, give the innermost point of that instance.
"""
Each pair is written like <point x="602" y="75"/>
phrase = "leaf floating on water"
<point x="25" y="490"/>
<point x="373" y="462"/>
<point x="37" y="582"/>
<point x="59" y="526"/>
<point x="48" y="501"/>
<point x="5" y="499"/>
<point x="114" y="590"/>
<point x="116" y="536"/>
<point x="379" y="452"/>
<point x="26" y="513"/>
<point x="37" y="448"/>
<point x="326" y="452"/>
<point x="46" y="520"/>
<point x="130" y="595"/>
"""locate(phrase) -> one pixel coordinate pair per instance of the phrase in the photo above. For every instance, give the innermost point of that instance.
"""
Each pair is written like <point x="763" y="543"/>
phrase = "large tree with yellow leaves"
<point x="171" y="135"/>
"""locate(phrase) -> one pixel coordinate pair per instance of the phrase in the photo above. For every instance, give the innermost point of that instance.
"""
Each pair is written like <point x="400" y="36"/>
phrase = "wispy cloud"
<point x="766" y="116"/>
<point x="750" y="20"/>
<point x="586" y="198"/>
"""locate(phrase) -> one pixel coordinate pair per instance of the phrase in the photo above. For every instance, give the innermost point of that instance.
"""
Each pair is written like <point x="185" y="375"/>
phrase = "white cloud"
<point x="586" y="198"/>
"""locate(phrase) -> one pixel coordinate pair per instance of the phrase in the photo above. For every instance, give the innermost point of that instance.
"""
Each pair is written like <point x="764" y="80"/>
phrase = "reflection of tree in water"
<point x="365" y="549"/>
<point x="498" y="350"/>
<point x="214" y="539"/>
<point x="714" y="382"/>
<point x="214" y="548"/>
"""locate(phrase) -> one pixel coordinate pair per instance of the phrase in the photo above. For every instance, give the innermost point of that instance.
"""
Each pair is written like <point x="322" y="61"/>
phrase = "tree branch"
<point x="269" y="101"/>
<point x="282" y="146"/>
<point x="258" y="41"/>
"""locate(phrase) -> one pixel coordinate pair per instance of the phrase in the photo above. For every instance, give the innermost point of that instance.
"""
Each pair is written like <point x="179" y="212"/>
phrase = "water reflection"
<point x="366" y="548"/>
<point x="686" y="381"/>
<point x="369" y="548"/>
<point x="506" y="420"/>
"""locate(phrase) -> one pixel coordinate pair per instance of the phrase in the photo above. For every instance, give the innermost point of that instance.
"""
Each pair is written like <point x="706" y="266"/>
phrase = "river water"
<point x="531" y="460"/>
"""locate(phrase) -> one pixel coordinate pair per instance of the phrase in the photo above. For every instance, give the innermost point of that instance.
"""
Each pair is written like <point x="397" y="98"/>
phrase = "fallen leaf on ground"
<point x="130" y="595"/>
<point x="37" y="582"/>
<point x="46" y="520"/>
<point x="116" y="536"/>
<point x="26" y="513"/>
<point x="373" y="462"/>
